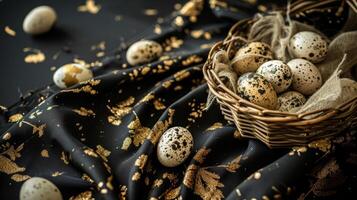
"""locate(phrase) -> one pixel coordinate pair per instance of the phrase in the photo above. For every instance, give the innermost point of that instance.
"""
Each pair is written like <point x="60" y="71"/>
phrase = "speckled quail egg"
<point x="39" y="20"/>
<point x="175" y="146"/>
<point x="256" y="89"/>
<point x="71" y="74"/>
<point x="143" y="51"/>
<point x="37" y="188"/>
<point x="306" y="77"/>
<point x="290" y="100"/>
<point x="250" y="57"/>
<point x="308" y="45"/>
<point x="277" y="73"/>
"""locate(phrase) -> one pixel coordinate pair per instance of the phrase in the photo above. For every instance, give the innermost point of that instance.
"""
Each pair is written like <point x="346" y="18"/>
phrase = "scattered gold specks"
<point x="84" y="112"/>
<point x="20" y="177"/>
<point x="141" y="161"/>
<point x="191" y="60"/>
<point x="118" y="18"/>
<point x="15" y="118"/>
<point x="57" y="173"/>
<point x="181" y="75"/>
<point x="257" y="175"/>
<point x="215" y="126"/>
<point x="120" y="110"/>
<point x="9" y="31"/>
<point x="87" y="195"/>
<point x="150" y="12"/>
<point x="172" y="43"/>
<point x="136" y="176"/>
<point x="159" y="105"/>
<point x="323" y="145"/>
<point x="44" y="153"/>
<point x="35" y="56"/>
<point x="90" y="7"/>
<point x="6" y="136"/>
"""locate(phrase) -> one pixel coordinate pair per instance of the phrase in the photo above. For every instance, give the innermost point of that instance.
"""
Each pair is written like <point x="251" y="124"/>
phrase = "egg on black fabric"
<point x="308" y="45"/>
<point x="256" y="89"/>
<point x="306" y="77"/>
<point x="277" y="73"/>
<point x="71" y="74"/>
<point x="37" y="188"/>
<point x="290" y="100"/>
<point x="143" y="51"/>
<point x="39" y="20"/>
<point x="175" y="146"/>
<point x="250" y="57"/>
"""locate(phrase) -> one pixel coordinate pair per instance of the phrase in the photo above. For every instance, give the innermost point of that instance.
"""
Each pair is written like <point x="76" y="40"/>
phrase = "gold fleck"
<point x="173" y="193"/>
<point x="201" y="154"/>
<point x="57" y="173"/>
<point x="257" y="175"/>
<point x="90" y="152"/>
<point x="181" y="75"/>
<point x="15" y="117"/>
<point x="126" y="143"/>
<point x="179" y="21"/>
<point x="120" y="110"/>
<point x="159" y="105"/>
<point x="9" y="31"/>
<point x="90" y="7"/>
<point x="150" y="12"/>
<point x="298" y="150"/>
<point x="44" y="153"/>
<point x="9" y="167"/>
<point x="36" y="56"/>
<point x="138" y="132"/>
<point x="100" y="54"/>
<point x="192" y="8"/>
<point x="191" y="59"/>
<point x="84" y="112"/>
<point x="172" y="43"/>
<point x="20" y="177"/>
<point x="103" y="153"/>
<point x="141" y="161"/>
<point x="196" y="33"/>
<point x="104" y="191"/>
<point x="118" y="18"/>
<point x="233" y="165"/>
<point x="87" y="195"/>
<point x="157" y="29"/>
<point x="6" y="136"/>
<point x="215" y="126"/>
<point x="160" y="127"/>
<point x="323" y="145"/>
<point x="190" y="173"/>
<point x="87" y="178"/>
<point x="208" y="185"/>
<point x="64" y="158"/>
<point x="136" y="176"/>
<point x="145" y="70"/>
<point x="147" y="98"/>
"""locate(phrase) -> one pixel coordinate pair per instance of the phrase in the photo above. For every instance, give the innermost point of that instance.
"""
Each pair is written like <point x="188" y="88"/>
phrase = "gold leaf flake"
<point x="90" y="152"/>
<point x="85" y="177"/>
<point x="159" y="105"/>
<point x="201" y="154"/>
<point x="150" y="12"/>
<point x="20" y="177"/>
<point x="323" y="145"/>
<point x="84" y="112"/>
<point x="173" y="193"/>
<point x="36" y="56"/>
<point x="138" y="132"/>
<point x="167" y="84"/>
<point x="9" y="167"/>
<point x="87" y="195"/>
<point x="181" y="75"/>
<point x="141" y="161"/>
<point x="191" y="59"/>
<point x="90" y="7"/>
<point x="6" y="136"/>
<point x="160" y="127"/>
<point x="208" y="185"/>
<point x="103" y="153"/>
<point x="157" y="29"/>
<point x="9" y="31"/>
<point x="57" y="173"/>
<point x="233" y="165"/>
<point x="215" y="126"/>
<point x="189" y="177"/>
<point x="126" y="143"/>
<point x="120" y="110"/>
<point x="39" y="130"/>
<point x="192" y="8"/>
<point x="44" y="153"/>
<point x="136" y="176"/>
<point x="64" y="158"/>
<point x="147" y="98"/>
<point x="15" y="118"/>
<point x="297" y="150"/>
<point x="123" y="191"/>
<point x="13" y="152"/>
<point x="158" y="182"/>
<point x="179" y="21"/>
<point x="172" y="43"/>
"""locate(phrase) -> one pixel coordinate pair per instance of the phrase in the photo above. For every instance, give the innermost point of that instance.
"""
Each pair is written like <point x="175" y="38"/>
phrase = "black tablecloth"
<point x="99" y="138"/>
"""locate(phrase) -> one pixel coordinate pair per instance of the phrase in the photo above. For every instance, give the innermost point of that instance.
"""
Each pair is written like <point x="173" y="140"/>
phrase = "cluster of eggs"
<point x="274" y="84"/>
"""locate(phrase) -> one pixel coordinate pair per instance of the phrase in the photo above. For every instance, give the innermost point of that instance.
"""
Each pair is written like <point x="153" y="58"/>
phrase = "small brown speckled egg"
<point x="256" y="89"/>
<point x="250" y="57"/>
<point x="277" y="73"/>
<point x="175" y="146"/>
<point x="71" y="74"/>
<point x="308" y="45"/>
<point x="306" y="77"/>
<point x="143" y="51"/>
<point x="290" y="100"/>
<point x="37" y="188"/>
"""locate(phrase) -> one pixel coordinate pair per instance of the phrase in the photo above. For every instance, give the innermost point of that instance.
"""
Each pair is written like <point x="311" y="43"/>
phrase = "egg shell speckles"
<point x="39" y="20"/>
<point x="143" y="51"/>
<point x="277" y="73"/>
<point x="174" y="147"/>
<point x="256" y="89"/>
<point x="306" y="77"/>
<point x="37" y="188"/>
<point x="290" y="100"/>
<point x="250" y="57"/>
<point x="308" y="45"/>
<point x="71" y="74"/>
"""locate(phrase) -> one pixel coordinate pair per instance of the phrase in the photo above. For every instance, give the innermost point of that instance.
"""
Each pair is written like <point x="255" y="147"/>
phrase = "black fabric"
<point x="101" y="136"/>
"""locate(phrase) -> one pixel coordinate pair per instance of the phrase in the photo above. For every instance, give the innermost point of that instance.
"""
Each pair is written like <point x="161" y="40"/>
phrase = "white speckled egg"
<point x="39" y="20"/>
<point x="277" y="73"/>
<point x="306" y="77"/>
<point x="143" y="51"/>
<point x="250" y="57"/>
<point x="290" y="100"/>
<point x="256" y="89"/>
<point x="71" y="74"/>
<point x="37" y="188"/>
<point x="175" y="146"/>
<point x="308" y="45"/>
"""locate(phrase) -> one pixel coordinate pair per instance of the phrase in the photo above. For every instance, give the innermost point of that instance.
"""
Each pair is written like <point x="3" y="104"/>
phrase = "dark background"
<point x="74" y="31"/>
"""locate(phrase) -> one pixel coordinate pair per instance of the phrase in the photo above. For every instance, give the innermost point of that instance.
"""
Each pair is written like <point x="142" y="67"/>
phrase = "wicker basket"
<point x="274" y="128"/>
